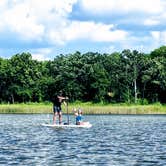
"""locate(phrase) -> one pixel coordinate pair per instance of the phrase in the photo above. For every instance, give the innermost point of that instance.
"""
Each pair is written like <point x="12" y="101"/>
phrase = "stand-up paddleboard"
<point x="68" y="125"/>
<point x="86" y="125"/>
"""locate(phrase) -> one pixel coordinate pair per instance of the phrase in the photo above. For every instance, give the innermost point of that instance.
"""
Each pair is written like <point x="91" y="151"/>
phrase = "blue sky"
<point x="47" y="28"/>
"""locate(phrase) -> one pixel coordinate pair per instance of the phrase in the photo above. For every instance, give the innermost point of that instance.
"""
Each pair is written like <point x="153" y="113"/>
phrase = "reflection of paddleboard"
<point x="86" y="125"/>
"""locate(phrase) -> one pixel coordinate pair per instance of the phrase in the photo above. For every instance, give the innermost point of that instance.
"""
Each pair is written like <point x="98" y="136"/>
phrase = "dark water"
<point x="113" y="140"/>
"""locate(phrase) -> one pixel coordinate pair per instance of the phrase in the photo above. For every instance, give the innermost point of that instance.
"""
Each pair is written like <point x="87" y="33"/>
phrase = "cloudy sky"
<point x="47" y="28"/>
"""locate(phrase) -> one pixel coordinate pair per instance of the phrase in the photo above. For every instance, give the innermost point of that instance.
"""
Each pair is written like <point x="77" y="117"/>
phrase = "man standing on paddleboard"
<point x="57" y="110"/>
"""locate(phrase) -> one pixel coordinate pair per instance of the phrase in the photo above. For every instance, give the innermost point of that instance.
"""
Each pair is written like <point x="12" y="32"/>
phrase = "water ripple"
<point x="113" y="140"/>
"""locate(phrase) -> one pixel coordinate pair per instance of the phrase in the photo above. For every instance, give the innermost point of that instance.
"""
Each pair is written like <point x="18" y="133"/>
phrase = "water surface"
<point x="113" y="140"/>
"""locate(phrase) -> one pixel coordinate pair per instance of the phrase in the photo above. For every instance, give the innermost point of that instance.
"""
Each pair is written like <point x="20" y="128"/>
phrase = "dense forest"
<point x="127" y="76"/>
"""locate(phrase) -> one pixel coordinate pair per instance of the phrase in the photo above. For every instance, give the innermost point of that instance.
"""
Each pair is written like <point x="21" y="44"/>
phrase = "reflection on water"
<point x="112" y="140"/>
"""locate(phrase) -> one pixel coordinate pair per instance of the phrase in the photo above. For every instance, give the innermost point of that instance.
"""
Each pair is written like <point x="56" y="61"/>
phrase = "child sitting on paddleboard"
<point x="78" y="114"/>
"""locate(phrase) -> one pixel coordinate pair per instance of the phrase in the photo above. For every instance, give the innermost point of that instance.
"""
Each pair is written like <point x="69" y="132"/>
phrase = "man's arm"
<point x="62" y="99"/>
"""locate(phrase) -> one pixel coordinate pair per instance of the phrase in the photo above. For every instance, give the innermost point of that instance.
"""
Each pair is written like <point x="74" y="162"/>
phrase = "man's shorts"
<point x="57" y="109"/>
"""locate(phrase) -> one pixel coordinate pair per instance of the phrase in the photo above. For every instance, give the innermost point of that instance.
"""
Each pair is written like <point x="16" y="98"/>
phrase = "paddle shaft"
<point x="67" y="112"/>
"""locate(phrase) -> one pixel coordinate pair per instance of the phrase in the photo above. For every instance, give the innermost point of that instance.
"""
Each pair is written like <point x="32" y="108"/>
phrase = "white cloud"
<point x="159" y="36"/>
<point x="151" y="21"/>
<point x="17" y="20"/>
<point x="3" y="4"/>
<point x="122" y="6"/>
<point x="33" y="19"/>
<point x="39" y="57"/>
<point x="49" y="22"/>
<point x="155" y="35"/>
<point x="93" y="31"/>
<point x="110" y="49"/>
<point x="41" y="54"/>
<point x="145" y="43"/>
<point x="128" y="12"/>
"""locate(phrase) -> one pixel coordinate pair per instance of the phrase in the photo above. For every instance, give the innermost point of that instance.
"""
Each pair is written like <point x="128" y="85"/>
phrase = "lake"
<point x="112" y="140"/>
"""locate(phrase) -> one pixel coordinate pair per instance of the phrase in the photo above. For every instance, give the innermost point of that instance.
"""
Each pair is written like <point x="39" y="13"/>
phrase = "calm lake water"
<point x="113" y="140"/>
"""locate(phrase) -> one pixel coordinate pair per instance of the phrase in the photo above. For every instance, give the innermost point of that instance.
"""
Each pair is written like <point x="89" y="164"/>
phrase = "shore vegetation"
<point x="88" y="108"/>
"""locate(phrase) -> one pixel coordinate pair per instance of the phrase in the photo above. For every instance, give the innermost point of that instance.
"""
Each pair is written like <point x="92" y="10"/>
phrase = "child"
<point x="78" y="115"/>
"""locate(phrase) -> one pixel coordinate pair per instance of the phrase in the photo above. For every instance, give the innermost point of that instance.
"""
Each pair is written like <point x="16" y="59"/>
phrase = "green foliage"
<point x="159" y="52"/>
<point x="88" y="108"/>
<point x="125" y="77"/>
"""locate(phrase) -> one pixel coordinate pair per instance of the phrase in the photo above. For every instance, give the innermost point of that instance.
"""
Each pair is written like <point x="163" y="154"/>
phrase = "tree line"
<point x="127" y="76"/>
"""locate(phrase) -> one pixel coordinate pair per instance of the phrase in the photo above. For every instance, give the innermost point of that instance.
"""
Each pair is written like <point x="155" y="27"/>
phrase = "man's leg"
<point x="60" y="117"/>
<point x="54" y="118"/>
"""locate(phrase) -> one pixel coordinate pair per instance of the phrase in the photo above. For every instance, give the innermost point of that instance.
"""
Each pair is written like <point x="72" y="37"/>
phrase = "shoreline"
<point x="88" y="109"/>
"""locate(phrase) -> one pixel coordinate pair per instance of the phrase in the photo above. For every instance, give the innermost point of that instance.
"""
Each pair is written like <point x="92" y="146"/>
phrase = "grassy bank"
<point x="88" y="108"/>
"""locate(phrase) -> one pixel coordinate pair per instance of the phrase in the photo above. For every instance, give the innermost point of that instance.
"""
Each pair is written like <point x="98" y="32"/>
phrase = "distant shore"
<point x="88" y="108"/>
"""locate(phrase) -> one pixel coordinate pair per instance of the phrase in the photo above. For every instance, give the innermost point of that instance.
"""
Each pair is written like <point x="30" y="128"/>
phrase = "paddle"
<point x="67" y="113"/>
